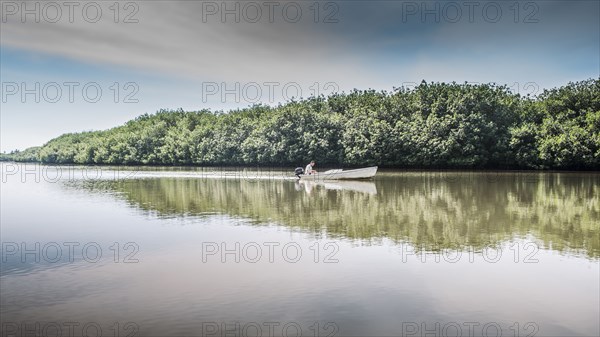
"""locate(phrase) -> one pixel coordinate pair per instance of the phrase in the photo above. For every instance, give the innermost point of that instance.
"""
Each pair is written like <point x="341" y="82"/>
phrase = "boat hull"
<point x="362" y="173"/>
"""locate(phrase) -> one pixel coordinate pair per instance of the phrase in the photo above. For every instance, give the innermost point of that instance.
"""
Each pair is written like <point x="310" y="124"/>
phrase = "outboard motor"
<point x="298" y="171"/>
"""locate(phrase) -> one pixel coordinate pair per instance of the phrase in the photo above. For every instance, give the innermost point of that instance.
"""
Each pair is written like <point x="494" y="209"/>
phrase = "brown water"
<point x="173" y="251"/>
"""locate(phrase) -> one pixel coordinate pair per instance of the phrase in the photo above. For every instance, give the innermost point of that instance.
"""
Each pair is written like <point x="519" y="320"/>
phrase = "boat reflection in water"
<point x="368" y="187"/>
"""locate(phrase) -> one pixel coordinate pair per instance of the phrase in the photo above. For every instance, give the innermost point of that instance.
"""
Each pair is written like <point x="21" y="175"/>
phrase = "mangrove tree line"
<point x="437" y="125"/>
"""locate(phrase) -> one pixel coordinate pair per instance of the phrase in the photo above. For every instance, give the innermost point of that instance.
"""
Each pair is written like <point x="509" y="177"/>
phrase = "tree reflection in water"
<point x="430" y="210"/>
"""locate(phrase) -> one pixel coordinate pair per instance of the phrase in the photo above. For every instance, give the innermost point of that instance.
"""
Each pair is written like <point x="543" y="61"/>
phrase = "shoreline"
<point x="383" y="169"/>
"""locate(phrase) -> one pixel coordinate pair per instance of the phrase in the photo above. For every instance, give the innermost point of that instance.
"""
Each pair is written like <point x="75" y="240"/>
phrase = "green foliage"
<point x="569" y="133"/>
<point x="433" y="125"/>
<point x="28" y="155"/>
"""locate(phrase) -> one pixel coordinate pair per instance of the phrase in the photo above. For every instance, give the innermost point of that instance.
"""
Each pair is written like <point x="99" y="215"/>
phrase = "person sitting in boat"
<point x="309" y="168"/>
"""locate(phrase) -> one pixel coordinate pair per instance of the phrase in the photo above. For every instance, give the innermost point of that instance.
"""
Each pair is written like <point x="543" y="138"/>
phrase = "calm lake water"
<point x="209" y="252"/>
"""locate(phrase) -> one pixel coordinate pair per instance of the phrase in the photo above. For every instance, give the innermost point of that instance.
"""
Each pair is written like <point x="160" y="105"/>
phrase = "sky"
<point x="71" y="66"/>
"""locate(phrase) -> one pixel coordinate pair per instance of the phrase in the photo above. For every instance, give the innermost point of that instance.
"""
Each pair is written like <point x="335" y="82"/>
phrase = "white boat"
<point x="339" y="174"/>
